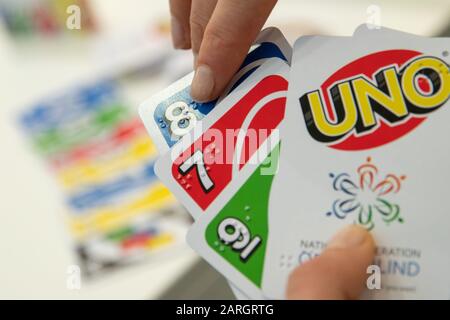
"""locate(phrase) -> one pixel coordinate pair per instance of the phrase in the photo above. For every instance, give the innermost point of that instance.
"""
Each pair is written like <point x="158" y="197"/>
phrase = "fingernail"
<point x="202" y="84"/>
<point x="349" y="237"/>
<point x="178" y="39"/>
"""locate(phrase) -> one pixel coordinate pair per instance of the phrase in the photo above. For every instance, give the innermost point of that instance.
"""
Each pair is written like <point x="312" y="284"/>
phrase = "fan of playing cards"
<point x="337" y="130"/>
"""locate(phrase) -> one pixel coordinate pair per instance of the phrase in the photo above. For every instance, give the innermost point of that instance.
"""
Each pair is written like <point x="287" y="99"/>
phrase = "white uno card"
<point x="365" y="141"/>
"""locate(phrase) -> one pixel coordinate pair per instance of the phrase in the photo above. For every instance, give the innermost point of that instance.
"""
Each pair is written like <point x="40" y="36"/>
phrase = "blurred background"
<point x="82" y="215"/>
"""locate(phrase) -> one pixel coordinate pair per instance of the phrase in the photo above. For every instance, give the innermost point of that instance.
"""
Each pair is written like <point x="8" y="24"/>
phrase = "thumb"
<point x="233" y="27"/>
<point x="339" y="272"/>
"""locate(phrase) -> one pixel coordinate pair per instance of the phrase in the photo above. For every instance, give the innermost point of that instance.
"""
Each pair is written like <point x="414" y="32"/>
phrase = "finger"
<point x="201" y="11"/>
<point x="228" y="36"/>
<point x="339" y="272"/>
<point x="180" y="11"/>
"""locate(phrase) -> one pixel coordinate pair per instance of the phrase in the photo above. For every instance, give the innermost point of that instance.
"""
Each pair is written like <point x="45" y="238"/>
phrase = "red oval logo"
<point x="376" y="99"/>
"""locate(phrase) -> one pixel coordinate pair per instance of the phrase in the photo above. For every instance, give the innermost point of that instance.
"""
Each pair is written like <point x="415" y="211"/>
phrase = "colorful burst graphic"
<point x="367" y="196"/>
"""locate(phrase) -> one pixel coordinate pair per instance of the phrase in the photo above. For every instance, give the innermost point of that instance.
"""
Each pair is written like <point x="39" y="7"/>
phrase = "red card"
<point x="205" y="168"/>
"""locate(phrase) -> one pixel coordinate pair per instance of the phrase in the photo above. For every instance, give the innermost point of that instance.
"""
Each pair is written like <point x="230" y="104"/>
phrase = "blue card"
<point x="171" y="114"/>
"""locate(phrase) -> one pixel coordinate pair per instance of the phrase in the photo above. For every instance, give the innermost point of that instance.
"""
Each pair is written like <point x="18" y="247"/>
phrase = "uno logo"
<point x="376" y="99"/>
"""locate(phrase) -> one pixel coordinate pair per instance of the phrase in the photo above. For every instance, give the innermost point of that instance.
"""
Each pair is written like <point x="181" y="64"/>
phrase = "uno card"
<point x="200" y="166"/>
<point x="169" y="115"/>
<point x="232" y="233"/>
<point x="365" y="142"/>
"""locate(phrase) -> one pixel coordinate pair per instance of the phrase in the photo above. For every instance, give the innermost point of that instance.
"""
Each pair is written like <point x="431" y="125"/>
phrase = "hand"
<point x="220" y="33"/>
<point x="339" y="272"/>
